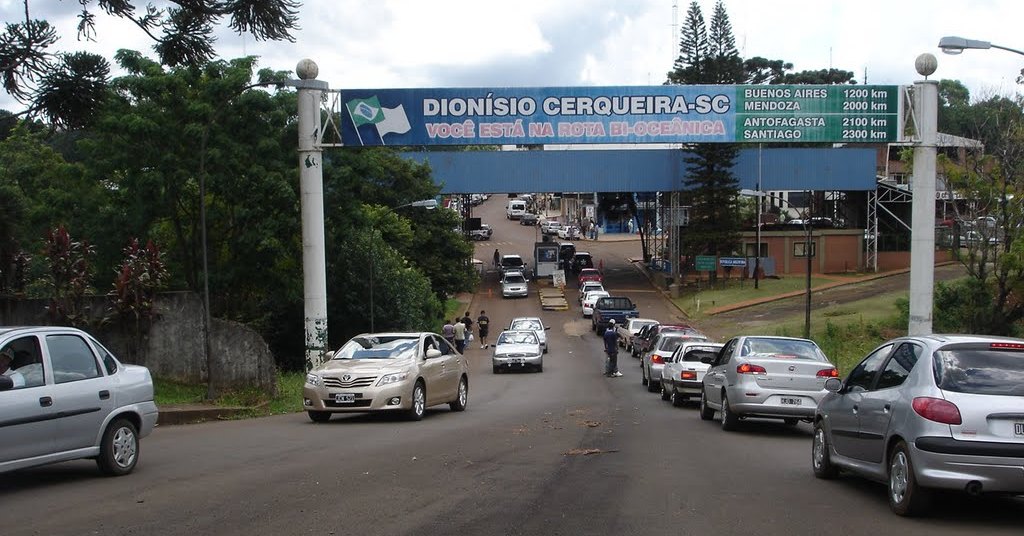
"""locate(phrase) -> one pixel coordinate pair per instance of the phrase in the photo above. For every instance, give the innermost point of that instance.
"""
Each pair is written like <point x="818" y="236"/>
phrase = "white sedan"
<point x="517" y="349"/>
<point x="683" y="373"/>
<point x="590" y="299"/>
<point x="534" y="324"/>
<point x="569" y="232"/>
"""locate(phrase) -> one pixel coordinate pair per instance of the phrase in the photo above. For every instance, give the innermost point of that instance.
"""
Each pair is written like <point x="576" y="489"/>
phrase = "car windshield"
<point x="527" y="324"/>
<point x="980" y="371"/>
<point x="373" y="347"/>
<point x="589" y="271"/>
<point x="515" y="278"/>
<point x="518" y="337"/>
<point x="512" y="261"/>
<point x="781" y="349"/>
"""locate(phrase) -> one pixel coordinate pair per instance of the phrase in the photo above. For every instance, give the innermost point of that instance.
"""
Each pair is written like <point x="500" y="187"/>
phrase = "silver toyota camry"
<point x="929" y="412"/>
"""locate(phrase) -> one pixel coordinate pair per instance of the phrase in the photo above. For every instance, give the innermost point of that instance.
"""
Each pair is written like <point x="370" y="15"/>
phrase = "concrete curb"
<point x="175" y="414"/>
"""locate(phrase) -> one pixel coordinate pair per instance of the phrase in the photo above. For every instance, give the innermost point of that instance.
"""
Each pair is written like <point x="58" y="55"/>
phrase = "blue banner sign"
<point x="623" y="114"/>
<point x="732" y="261"/>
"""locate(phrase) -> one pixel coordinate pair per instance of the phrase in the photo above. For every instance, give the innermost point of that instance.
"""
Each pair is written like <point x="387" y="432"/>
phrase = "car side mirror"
<point x="6" y="383"/>
<point x="329" y="355"/>
<point x="833" y="385"/>
<point x="547" y="328"/>
<point x="433" y="352"/>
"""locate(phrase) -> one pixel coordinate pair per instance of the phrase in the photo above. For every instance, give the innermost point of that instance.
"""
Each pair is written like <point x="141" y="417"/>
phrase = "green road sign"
<point x="817" y="114"/>
<point x="704" y="263"/>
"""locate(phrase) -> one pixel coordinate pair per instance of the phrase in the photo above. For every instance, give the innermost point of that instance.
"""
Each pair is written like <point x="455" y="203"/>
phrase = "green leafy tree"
<point x="991" y="213"/>
<point x="165" y="135"/>
<point x="67" y="88"/>
<point x="713" y="225"/>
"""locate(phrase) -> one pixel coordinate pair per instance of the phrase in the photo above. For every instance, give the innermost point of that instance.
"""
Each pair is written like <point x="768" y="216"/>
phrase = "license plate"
<point x="343" y="398"/>
<point x="1018" y="428"/>
<point x="791" y="401"/>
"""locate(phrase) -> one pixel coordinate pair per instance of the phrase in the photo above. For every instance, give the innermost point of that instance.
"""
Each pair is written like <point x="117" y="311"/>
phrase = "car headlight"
<point x="392" y="378"/>
<point x="314" y="380"/>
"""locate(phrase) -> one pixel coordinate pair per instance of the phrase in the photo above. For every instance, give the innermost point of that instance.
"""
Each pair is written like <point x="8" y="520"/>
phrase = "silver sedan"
<point x="773" y="377"/>
<point x="517" y="350"/>
<point x="929" y="412"/>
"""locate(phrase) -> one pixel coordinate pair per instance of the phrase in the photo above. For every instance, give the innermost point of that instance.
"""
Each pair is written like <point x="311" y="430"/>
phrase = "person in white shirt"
<point x="6" y="358"/>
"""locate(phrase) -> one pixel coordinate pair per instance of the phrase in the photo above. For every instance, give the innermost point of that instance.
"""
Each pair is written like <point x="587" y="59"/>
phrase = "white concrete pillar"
<point x="311" y="198"/>
<point x="922" y="236"/>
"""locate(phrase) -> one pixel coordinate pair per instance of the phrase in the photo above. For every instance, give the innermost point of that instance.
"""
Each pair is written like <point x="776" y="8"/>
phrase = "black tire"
<point x="540" y="368"/>
<point x="643" y="375"/>
<point x="706" y="413"/>
<point x="821" y="454"/>
<point x="906" y="496"/>
<point x="119" y="449"/>
<point x="461" y="396"/>
<point x="665" y="394"/>
<point x="651" y="386"/>
<point x="791" y="421"/>
<point x="676" y="399"/>
<point x="419" y="402"/>
<point x="730" y="421"/>
<point x="496" y="369"/>
<point x="319" y="416"/>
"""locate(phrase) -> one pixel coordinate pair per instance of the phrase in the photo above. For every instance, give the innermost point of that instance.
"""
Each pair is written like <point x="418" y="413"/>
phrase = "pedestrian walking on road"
<point x="483" y="324"/>
<point x="448" y="331"/>
<point x="611" y="347"/>
<point x="469" y="326"/>
<point x="460" y="335"/>
<point x="497" y="257"/>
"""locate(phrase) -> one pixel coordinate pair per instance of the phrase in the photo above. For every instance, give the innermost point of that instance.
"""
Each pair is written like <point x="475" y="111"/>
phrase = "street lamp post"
<point x="429" y="204"/>
<point x="808" y="246"/>
<point x="956" y="45"/>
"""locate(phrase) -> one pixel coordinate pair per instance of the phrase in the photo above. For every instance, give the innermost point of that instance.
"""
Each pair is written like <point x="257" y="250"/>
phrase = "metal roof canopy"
<point x="647" y="170"/>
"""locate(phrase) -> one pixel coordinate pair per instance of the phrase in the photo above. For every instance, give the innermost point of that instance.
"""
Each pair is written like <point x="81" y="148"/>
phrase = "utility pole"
<point x="922" y="233"/>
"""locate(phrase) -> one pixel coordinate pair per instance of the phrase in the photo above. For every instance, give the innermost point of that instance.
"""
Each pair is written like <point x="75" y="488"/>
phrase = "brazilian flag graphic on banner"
<point x="365" y="111"/>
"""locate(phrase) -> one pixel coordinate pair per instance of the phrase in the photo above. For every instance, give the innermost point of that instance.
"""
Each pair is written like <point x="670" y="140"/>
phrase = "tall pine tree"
<point x="714" y="222"/>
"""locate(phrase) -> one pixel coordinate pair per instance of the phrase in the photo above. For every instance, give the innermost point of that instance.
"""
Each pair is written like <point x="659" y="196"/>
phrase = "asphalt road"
<point x="565" y="451"/>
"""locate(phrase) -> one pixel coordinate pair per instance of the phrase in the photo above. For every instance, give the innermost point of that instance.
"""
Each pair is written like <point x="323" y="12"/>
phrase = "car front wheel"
<point x="119" y="451"/>
<point x="906" y="497"/>
<point x="821" y="457"/>
<point x="462" y="397"/>
<point x="419" y="402"/>
<point x="706" y="413"/>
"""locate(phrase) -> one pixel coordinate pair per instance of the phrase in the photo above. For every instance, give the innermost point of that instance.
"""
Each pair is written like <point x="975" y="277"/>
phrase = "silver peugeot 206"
<point x="928" y="412"/>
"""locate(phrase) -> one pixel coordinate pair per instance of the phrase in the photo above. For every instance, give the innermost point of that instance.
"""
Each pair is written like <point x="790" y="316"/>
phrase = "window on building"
<point x="800" y="249"/>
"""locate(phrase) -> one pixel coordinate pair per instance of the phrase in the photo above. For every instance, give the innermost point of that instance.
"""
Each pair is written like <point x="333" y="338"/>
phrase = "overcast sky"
<point x="494" y="43"/>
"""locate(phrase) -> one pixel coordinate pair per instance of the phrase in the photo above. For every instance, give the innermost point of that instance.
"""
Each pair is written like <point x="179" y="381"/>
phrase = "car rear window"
<point x="782" y="349"/>
<point x="699" y="352"/>
<point x="614" y="303"/>
<point x="980" y="371"/>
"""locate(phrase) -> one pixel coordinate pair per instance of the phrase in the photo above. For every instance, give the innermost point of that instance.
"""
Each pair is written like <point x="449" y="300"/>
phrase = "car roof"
<point x="537" y="318"/>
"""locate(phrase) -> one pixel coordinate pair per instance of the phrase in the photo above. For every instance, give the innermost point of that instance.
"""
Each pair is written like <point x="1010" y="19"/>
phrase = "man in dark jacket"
<point x="611" y="347"/>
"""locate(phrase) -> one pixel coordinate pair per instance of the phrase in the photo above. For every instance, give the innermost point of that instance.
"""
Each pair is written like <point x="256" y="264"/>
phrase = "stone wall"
<point x="173" y="347"/>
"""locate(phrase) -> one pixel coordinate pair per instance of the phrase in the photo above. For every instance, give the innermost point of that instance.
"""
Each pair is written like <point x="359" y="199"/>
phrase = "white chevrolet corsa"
<point x="66" y="397"/>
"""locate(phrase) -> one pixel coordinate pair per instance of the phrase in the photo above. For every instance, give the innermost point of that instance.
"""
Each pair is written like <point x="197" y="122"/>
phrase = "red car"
<point x="589" y="274"/>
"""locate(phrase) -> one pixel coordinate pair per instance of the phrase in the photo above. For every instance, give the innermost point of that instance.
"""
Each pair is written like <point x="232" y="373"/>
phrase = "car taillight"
<point x="655" y="358"/>
<point x="1006" y="346"/>
<point x="937" y="409"/>
<point x="828" y="373"/>
<point x="747" y="368"/>
<point x="685" y="375"/>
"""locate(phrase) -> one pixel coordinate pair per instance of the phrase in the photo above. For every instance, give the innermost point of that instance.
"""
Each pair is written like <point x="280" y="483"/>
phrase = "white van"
<point x="515" y="209"/>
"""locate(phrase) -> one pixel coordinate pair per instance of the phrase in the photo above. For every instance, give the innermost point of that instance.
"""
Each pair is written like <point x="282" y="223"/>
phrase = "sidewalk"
<point x="171" y="414"/>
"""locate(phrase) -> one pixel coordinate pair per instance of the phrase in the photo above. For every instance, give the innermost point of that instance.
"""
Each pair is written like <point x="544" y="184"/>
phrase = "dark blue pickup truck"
<point x="612" y="307"/>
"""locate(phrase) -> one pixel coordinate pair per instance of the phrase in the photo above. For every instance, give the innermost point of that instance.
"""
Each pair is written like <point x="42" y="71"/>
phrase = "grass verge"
<point x="735" y="291"/>
<point x="287" y="400"/>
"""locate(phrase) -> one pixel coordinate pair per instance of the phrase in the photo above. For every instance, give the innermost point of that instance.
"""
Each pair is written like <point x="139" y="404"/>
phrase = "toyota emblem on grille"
<point x="792" y="368"/>
<point x="347" y="377"/>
